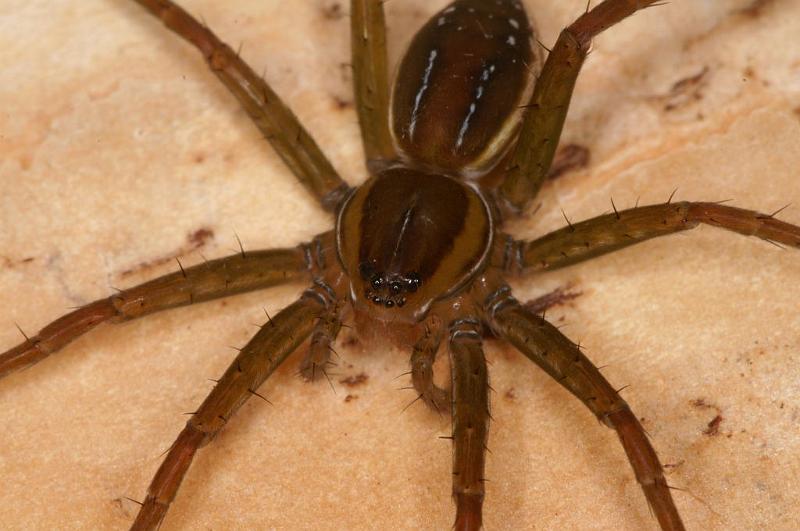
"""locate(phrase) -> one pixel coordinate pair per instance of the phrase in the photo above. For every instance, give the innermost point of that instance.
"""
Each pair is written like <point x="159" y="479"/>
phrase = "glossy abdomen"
<point x="458" y="92"/>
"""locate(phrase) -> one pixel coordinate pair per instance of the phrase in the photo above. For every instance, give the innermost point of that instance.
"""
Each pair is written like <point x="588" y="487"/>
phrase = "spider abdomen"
<point x="402" y="250"/>
<point x="459" y="88"/>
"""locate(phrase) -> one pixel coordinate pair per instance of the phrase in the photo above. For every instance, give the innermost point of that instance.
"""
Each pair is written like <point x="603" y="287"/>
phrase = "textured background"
<point x="119" y="152"/>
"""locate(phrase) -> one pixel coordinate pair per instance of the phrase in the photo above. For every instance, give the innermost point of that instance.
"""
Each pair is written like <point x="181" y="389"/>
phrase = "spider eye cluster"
<point x="388" y="289"/>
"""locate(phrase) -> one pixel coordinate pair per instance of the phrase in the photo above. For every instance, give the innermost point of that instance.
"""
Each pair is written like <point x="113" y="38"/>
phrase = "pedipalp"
<point x="318" y="359"/>
<point x="422" y="359"/>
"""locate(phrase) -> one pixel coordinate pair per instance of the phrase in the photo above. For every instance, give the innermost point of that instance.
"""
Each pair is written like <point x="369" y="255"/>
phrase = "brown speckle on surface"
<point x="10" y="263"/>
<point x="199" y="237"/>
<point x="755" y="9"/>
<point x="687" y="83"/>
<point x="332" y="11"/>
<point x="350" y="398"/>
<point x="713" y="426"/>
<point x="341" y="103"/>
<point x="354" y="381"/>
<point x="510" y="394"/>
<point x="570" y="157"/>
<point x="194" y="241"/>
<point x="685" y="90"/>
<point x="350" y="341"/>
<point x="121" y="505"/>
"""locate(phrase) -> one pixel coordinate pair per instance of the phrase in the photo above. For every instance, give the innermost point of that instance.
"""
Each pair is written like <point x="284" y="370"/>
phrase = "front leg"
<point x="604" y="234"/>
<point x="274" y="119"/>
<point x="371" y="80"/>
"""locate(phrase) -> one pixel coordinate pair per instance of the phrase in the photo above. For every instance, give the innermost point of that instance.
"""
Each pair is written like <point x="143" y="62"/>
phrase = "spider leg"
<point x="543" y="344"/>
<point x="371" y="80"/>
<point x="604" y="234"/>
<point x="273" y="343"/>
<point x="541" y="128"/>
<point x="470" y="411"/>
<point x="211" y="280"/>
<point x="422" y="359"/>
<point x="272" y="117"/>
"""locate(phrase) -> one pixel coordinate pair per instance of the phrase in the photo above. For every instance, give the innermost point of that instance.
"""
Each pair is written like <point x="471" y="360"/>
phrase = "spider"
<point x="631" y="372"/>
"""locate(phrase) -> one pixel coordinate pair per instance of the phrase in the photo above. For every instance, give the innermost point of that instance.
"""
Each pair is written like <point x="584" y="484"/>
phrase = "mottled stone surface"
<point x="120" y="152"/>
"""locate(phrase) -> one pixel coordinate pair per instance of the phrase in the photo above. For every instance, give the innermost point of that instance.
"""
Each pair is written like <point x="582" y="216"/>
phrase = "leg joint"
<point x="322" y="292"/>
<point x="497" y="301"/>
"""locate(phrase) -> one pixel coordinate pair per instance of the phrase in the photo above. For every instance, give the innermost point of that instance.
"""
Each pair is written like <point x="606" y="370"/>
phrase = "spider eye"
<point x="395" y="287"/>
<point x="377" y="282"/>
<point x="412" y="282"/>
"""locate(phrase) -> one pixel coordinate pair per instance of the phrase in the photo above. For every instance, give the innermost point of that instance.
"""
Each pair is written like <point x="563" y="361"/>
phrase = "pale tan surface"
<point x="116" y="144"/>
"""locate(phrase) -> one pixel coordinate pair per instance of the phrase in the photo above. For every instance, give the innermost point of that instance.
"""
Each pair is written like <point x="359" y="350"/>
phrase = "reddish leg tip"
<point x="468" y="512"/>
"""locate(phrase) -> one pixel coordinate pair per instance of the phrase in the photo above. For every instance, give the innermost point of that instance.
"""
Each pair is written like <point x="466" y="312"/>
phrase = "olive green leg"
<point x="273" y="118"/>
<point x="604" y="234"/>
<point x="470" y="411"/>
<point x="371" y="80"/>
<point x="562" y="359"/>
<point x="211" y="280"/>
<point x="278" y="338"/>
<point x="541" y="128"/>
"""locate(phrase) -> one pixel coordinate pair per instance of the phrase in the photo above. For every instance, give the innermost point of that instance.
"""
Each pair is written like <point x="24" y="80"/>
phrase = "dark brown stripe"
<point x="409" y="222"/>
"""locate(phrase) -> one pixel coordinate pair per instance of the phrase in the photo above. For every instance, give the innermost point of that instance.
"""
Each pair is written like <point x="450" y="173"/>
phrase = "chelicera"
<point x="397" y="255"/>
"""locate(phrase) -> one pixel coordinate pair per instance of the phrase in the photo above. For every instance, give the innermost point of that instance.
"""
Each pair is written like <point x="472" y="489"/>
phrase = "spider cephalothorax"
<point x="402" y="251"/>
<point x="418" y="246"/>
